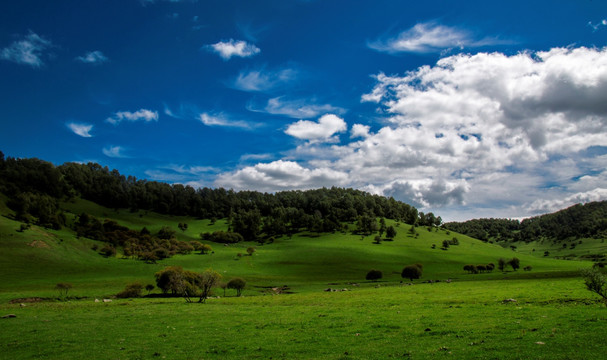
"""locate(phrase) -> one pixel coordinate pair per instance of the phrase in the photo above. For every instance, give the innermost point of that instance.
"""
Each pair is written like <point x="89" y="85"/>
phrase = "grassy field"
<point x="553" y="316"/>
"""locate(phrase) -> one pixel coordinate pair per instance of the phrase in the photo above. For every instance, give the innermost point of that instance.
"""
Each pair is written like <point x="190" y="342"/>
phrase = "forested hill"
<point x="578" y="221"/>
<point x="35" y="187"/>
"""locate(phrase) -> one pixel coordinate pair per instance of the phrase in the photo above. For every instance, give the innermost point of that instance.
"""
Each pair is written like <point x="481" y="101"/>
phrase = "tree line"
<point x="578" y="221"/>
<point x="35" y="188"/>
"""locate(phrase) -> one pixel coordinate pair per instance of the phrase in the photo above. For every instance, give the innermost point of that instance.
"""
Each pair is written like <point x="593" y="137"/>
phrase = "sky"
<point x="468" y="109"/>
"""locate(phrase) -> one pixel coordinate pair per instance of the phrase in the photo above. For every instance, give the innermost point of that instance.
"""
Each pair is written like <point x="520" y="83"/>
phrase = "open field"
<point x="553" y="317"/>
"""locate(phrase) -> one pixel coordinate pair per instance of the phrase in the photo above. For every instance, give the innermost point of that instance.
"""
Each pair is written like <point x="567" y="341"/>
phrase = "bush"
<point x="528" y="268"/>
<point x="149" y="288"/>
<point x="238" y="284"/>
<point x="374" y="275"/>
<point x="205" y="249"/>
<point x="412" y="272"/>
<point x="224" y="237"/>
<point x="63" y="288"/>
<point x="132" y="290"/>
<point x="108" y="250"/>
<point x="250" y="251"/>
<point x="595" y="282"/>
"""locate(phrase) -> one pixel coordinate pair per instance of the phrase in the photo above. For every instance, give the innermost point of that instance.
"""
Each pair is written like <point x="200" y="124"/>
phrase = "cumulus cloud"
<point x="27" y="50"/>
<point x="139" y="115"/>
<point x="321" y="131"/>
<point x="431" y="37"/>
<point x="114" y="152"/>
<point x="93" y="57"/>
<point x="297" y="108"/>
<point x="225" y="121"/>
<point x="542" y="206"/>
<point x="228" y="49"/>
<point x="507" y="134"/>
<point x="83" y="130"/>
<point x="281" y="175"/>
<point x="264" y="80"/>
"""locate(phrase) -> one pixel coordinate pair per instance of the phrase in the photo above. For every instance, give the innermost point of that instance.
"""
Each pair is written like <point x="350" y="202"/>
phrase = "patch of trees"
<point x="251" y="213"/>
<point x="136" y="244"/>
<point x="475" y="269"/>
<point x="223" y="237"/>
<point x="596" y="282"/>
<point x="577" y="221"/>
<point x="188" y="284"/>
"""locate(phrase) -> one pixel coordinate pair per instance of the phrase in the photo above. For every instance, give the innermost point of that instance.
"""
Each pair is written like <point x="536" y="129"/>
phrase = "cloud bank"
<point x="473" y="131"/>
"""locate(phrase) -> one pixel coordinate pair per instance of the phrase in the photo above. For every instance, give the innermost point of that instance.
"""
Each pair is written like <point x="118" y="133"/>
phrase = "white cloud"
<point x="139" y="115"/>
<point x="264" y="80"/>
<point x="28" y="50"/>
<point x="281" y="175"/>
<point x="80" y="129"/>
<point x="114" y="152"/>
<point x="359" y="131"/>
<point x="542" y="206"/>
<point x="298" y="109"/>
<point x="321" y="131"/>
<point x="431" y="37"/>
<point x="225" y="121"/>
<point x="93" y="57"/>
<point x="227" y="49"/>
<point x="471" y="136"/>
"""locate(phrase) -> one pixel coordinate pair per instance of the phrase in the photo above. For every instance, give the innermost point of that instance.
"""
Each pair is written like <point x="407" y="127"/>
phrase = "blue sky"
<point x="467" y="109"/>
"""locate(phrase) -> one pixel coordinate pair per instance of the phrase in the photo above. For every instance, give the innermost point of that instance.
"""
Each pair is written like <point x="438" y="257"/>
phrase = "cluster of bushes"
<point x="447" y="243"/>
<point x="475" y="269"/>
<point x="188" y="284"/>
<point x="223" y="237"/>
<point x="136" y="244"/>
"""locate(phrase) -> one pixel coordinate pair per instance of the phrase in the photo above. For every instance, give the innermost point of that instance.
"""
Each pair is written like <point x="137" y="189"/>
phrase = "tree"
<point x="446" y="244"/>
<point x="501" y="264"/>
<point x="182" y="226"/>
<point x="206" y="281"/>
<point x="374" y="275"/>
<point x="223" y="285"/>
<point x="382" y="226"/>
<point x="63" y="288"/>
<point x="412" y="272"/>
<point x="377" y="239"/>
<point x="205" y="249"/>
<point x="250" y="251"/>
<point x="515" y="263"/>
<point x="149" y="288"/>
<point x="390" y="232"/>
<point x="237" y="284"/>
<point x="595" y="282"/>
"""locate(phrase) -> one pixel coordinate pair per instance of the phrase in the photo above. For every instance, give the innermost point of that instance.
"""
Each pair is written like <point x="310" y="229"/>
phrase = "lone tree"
<point x="390" y="232"/>
<point x="501" y="264"/>
<point x="595" y="282"/>
<point x="237" y="284"/>
<point x="374" y="275"/>
<point x="63" y="288"/>
<point x="515" y="263"/>
<point x="412" y="272"/>
<point x="206" y="281"/>
<point x="132" y="290"/>
<point x="149" y="288"/>
<point x="250" y="251"/>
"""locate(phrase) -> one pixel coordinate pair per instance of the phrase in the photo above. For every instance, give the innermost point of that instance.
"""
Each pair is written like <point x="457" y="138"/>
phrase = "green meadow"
<point x="285" y="312"/>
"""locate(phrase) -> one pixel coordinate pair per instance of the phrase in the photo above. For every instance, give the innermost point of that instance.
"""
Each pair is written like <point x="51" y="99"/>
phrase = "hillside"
<point x="578" y="231"/>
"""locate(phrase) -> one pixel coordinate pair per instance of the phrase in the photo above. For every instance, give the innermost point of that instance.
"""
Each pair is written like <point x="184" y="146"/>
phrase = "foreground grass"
<point x="551" y="319"/>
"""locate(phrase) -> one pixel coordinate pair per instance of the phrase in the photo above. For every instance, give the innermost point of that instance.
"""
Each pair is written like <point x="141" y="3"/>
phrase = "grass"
<point x="553" y="317"/>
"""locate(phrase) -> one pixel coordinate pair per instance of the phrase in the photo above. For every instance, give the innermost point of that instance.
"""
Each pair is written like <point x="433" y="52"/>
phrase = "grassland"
<point x="553" y="316"/>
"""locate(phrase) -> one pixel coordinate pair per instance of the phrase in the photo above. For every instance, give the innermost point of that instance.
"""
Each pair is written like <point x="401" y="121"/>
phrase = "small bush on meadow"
<point x="132" y="290"/>
<point x="374" y="275"/>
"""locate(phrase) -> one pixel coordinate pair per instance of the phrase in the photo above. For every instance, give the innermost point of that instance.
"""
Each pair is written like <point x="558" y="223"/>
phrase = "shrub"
<point x="528" y="268"/>
<point x="205" y="249"/>
<point x="377" y="239"/>
<point x="515" y="263"/>
<point x="250" y="251"/>
<point x="411" y="272"/>
<point x="490" y="267"/>
<point x="132" y="290"/>
<point x="595" y="282"/>
<point x="225" y="237"/>
<point x="206" y="281"/>
<point x="63" y="288"/>
<point x="237" y="284"/>
<point x="374" y="275"/>
<point x="481" y="267"/>
<point x="108" y="250"/>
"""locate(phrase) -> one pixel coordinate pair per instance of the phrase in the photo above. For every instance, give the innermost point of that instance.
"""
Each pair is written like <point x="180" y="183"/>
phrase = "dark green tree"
<point x="237" y="284"/>
<point x="412" y="272"/>
<point x="374" y="275"/>
<point x="390" y="232"/>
